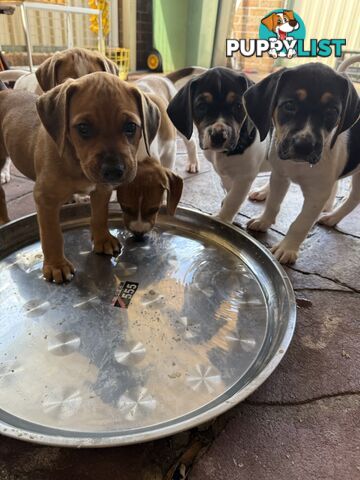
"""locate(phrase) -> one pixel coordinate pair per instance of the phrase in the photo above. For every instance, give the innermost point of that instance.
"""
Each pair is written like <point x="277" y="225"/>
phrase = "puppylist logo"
<point x="282" y="34"/>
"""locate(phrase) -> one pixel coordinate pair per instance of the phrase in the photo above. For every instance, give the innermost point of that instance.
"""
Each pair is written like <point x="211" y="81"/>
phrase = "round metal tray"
<point x="212" y="317"/>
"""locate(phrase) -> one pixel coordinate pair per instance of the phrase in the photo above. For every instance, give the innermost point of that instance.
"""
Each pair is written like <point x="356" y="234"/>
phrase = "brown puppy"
<point x="141" y="199"/>
<point x="80" y="137"/>
<point x="71" y="63"/>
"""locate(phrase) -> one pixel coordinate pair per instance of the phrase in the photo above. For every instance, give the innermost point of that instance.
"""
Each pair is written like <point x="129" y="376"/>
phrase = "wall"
<point x="144" y="32"/>
<point x="247" y="18"/>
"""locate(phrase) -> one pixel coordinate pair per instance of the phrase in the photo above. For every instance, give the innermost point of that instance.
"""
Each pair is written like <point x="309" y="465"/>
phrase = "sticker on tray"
<point x="124" y="294"/>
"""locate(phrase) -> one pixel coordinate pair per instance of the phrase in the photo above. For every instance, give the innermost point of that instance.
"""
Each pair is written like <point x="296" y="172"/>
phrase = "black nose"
<point x="112" y="173"/>
<point x="304" y="145"/>
<point x="293" y="23"/>
<point x="138" y="236"/>
<point x="218" y="138"/>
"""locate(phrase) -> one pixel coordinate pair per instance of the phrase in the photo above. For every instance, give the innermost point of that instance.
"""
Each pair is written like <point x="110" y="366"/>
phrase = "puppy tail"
<point x="174" y="77"/>
<point x="2" y="86"/>
<point x="346" y="63"/>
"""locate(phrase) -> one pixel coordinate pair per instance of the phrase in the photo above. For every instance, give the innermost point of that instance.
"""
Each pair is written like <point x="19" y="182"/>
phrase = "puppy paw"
<point x="258" y="195"/>
<point x="192" y="167"/>
<point x="329" y="219"/>
<point x="5" y="175"/>
<point x="81" y="198"/>
<point x="59" y="272"/>
<point x="107" y="244"/>
<point x="258" y="224"/>
<point x="284" y="254"/>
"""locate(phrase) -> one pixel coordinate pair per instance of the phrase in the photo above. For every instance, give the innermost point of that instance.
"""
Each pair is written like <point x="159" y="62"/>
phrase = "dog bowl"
<point x="173" y="332"/>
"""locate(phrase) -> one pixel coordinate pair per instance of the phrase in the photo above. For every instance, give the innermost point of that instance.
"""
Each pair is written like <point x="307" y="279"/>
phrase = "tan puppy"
<point x="82" y="136"/>
<point x="141" y="199"/>
<point x="71" y="63"/>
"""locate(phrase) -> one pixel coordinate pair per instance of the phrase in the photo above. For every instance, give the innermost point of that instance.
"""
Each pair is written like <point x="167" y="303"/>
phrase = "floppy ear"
<point x="350" y="108"/>
<point x="109" y="66"/>
<point x="150" y="118"/>
<point x="260" y="101"/>
<point x="46" y="73"/>
<point x="180" y="109"/>
<point x="269" y="21"/>
<point x="290" y="14"/>
<point x="174" y="189"/>
<point x="53" y="109"/>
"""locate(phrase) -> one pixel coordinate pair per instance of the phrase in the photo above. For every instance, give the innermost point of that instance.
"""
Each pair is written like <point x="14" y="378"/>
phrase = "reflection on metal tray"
<point x="211" y="317"/>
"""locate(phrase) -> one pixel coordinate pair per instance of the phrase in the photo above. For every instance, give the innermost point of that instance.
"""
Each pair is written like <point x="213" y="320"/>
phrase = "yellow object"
<point x="102" y="5"/>
<point x="120" y="56"/>
<point x="152" y="61"/>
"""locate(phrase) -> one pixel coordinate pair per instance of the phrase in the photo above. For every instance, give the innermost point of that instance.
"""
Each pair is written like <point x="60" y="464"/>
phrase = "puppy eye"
<point x="84" y="130"/>
<point x="289" y="107"/>
<point x="130" y="129"/>
<point x="201" y="108"/>
<point x="279" y="21"/>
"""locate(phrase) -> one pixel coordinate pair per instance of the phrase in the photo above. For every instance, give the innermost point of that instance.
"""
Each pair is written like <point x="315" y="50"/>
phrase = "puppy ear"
<point x="290" y="14"/>
<point x="46" y="73"/>
<point x="109" y="66"/>
<point x="350" y="108"/>
<point x="269" y="21"/>
<point x="150" y="117"/>
<point x="180" y="109"/>
<point x="174" y="189"/>
<point x="260" y="101"/>
<point x="53" y="109"/>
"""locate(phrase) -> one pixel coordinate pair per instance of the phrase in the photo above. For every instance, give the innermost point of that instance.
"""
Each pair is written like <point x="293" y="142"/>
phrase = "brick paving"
<point x="303" y="423"/>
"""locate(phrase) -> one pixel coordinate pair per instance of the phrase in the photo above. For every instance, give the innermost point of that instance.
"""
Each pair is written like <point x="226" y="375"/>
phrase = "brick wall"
<point x="144" y="33"/>
<point x="246" y="24"/>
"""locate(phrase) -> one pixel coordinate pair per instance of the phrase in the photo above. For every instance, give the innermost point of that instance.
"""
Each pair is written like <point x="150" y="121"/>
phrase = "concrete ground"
<point x="302" y="424"/>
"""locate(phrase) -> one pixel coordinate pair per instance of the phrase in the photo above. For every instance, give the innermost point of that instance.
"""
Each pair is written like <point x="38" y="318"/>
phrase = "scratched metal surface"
<point x="212" y="317"/>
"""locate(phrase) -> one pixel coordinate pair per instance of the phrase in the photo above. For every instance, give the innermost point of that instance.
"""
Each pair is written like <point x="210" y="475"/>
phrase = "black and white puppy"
<point x="213" y="101"/>
<point x="315" y="112"/>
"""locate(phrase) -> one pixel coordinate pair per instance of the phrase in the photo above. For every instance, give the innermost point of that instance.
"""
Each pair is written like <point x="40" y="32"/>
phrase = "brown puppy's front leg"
<point x="104" y="242"/>
<point x="56" y="267"/>
<point x="4" y="218"/>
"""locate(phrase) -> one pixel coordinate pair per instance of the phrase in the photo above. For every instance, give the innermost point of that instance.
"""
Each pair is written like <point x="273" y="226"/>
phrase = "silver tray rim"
<point x="96" y="441"/>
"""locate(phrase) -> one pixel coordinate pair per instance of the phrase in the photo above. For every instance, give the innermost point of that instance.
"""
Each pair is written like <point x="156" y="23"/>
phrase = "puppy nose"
<point x="293" y="23"/>
<point x="304" y="145"/>
<point x="112" y="173"/>
<point x="218" y="136"/>
<point x="138" y="236"/>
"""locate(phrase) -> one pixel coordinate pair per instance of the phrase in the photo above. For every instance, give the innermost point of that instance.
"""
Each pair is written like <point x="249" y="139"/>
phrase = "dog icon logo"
<point x="282" y="25"/>
<point x="282" y="34"/>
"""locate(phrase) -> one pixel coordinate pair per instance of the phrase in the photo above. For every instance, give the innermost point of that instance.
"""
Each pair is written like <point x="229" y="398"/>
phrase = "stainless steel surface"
<point x="211" y="319"/>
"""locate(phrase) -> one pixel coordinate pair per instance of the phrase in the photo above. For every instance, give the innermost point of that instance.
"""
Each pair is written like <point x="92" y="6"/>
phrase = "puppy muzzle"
<point x="113" y="169"/>
<point x="301" y="148"/>
<point x="217" y="137"/>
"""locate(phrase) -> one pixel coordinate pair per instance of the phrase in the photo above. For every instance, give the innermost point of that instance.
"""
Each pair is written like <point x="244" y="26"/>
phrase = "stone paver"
<point x="303" y="423"/>
<point x="315" y="441"/>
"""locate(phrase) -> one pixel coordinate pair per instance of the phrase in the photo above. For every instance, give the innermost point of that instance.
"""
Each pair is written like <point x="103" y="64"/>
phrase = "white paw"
<point x="291" y="53"/>
<point x="258" y="195"/>
<point x="258" y="224"/>
<point x="284" y="254"/>
<point x="273" y="53"/>
<point x="192" y="167"/>
<point x="329" y="219"/>
<point x="81" y="198"/>
<point x="5" y="175"/>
